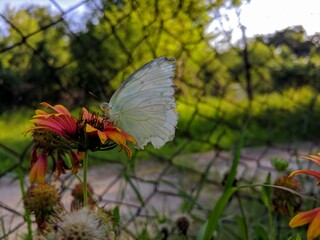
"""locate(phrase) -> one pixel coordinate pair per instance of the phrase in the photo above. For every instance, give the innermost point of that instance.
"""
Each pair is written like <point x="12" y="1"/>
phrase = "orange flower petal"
<point x="308" y="172"/>
<point x="304" y="218"/>
<point x="86" y="114"/>
<point x="129" y="138"/>
<point x="76" y="160"/>
<point x="40" y="112"/>
<point x="128" y="151"/>
<point x="103" y="137"/>
<point x="39" y="169"/>
<point x="314" y="227"/>
<point x="61" y="167"/>
<point x="63" y="124"/>
<point x="57" y="108"/>
<point x="90" y="129"/>
<point x="313" y="158"/>
<point x="116" y="137"/>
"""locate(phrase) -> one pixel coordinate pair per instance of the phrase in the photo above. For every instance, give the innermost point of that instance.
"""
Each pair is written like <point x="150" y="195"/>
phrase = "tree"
<point x="292" y="37"/>
<point x="33" y="49"/>
<point x="297" y="58"/>
<point x="127" y="34"/>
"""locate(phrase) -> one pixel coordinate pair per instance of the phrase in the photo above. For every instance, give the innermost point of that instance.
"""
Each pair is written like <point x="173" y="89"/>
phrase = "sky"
<point x="65" y="4"/>
<point x="258" y="16"/>
<point x="267" y="16"/>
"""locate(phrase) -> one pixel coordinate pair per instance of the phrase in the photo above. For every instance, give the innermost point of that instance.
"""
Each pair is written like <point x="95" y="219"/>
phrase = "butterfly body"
<point x="144" y="105"/>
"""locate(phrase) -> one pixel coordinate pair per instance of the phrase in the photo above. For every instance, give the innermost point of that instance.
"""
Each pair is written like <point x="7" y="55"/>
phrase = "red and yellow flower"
<point x="312" y="216"/>
<point x="63" y="137"/>
<point x="315" y="159"/>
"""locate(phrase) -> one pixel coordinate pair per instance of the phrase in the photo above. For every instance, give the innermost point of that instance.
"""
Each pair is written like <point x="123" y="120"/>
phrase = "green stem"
<point x="272" y="233"/>
<point x="26" y="212"/>
<point x="84" y="183"/>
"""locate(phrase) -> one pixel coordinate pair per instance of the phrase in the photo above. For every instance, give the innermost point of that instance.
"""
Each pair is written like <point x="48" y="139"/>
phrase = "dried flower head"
<point x="286" y="202"/>
<point x="165" y="231"/>
<point x="43" y="201"/>
<point x="77" y="194"/>
<point x="183" y="222"/>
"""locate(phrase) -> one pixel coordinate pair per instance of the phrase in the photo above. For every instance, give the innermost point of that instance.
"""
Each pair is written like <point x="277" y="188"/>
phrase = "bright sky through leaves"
<point x="258" y="16"/>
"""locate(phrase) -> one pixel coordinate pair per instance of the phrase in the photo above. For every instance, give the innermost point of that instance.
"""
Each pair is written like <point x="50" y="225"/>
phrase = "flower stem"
<point x="84" y="183"/>
<point x="26" y="211"/>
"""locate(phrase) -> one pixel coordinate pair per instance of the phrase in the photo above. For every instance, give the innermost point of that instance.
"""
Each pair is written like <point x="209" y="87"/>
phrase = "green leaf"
<point x="116" y="216"/>
<point x="266" y="192"/>
<point x="261" y="232"/>
<point x="229" y="190"/>
<point x="297" y="237"/>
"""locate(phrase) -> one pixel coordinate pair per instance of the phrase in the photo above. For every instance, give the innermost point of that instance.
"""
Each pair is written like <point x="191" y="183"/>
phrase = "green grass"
<point x="13" y="138"/>
<point x="14" y="125"/>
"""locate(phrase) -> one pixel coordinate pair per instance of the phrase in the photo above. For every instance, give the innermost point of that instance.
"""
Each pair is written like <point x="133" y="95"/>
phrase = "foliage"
<point x="26" y="71"/>
<point x="43" y="57"/>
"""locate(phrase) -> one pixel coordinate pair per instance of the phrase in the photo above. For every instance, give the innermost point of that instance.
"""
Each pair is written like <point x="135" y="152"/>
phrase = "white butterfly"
<point x="144" y="105"/>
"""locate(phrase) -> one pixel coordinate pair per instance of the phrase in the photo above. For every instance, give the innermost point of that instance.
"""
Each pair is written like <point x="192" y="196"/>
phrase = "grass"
<point x="14" y="125"/>
<point x="13" y="138"/>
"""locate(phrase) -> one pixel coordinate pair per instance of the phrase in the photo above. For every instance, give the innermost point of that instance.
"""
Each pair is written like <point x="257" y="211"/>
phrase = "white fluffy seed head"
<point x="80" y="225"/>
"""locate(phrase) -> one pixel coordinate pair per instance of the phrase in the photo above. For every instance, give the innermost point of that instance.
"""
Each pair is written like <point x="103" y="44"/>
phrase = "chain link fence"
<point x="78" y="56"/>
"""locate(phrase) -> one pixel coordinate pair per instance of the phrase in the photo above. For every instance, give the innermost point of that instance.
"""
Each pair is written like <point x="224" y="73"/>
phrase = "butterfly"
<point x="144" y="104"/>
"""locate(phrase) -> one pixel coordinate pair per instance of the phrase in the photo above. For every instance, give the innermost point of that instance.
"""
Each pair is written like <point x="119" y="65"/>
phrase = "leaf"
<point x="261" y="232"/>
<point x="266" y="192"/>
<point x="213" y="220"/>
<point x="116" y="216"/>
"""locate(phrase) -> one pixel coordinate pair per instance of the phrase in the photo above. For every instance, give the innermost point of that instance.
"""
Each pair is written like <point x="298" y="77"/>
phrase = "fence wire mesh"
<point x="79" y="55"/>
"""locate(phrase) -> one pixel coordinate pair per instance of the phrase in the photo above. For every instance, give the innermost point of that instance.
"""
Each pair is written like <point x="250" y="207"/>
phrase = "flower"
<point x="312" y="217"/>
<point x="44" y="202"/>
<point x="99" y="128"/>
<point x="62" y="159"/>
<point x="65" y="139"/>
<point x="183" y="223"/>
<point x="39" y="166"/>
<point x="78" y="201"/>
<point x="60" y="121"/>
<point x="80" y="225"/>
<point x="283" y="201"/>
<point x="313" y="158"/>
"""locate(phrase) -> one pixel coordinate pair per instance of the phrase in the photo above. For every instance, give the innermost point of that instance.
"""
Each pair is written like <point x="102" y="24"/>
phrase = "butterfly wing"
<point x="144" y="105"/>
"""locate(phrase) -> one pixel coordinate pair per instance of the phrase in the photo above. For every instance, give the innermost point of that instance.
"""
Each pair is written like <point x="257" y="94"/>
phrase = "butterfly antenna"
<point x="89" y="92"/>
<point x="94" y="95"/>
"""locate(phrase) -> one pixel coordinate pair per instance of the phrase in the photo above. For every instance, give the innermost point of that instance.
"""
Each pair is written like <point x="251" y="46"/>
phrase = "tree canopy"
<point x="42" y="57"/>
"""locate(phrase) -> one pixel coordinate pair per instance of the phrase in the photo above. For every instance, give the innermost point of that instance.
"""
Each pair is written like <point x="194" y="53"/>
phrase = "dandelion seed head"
<point x="81" y="225"/>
